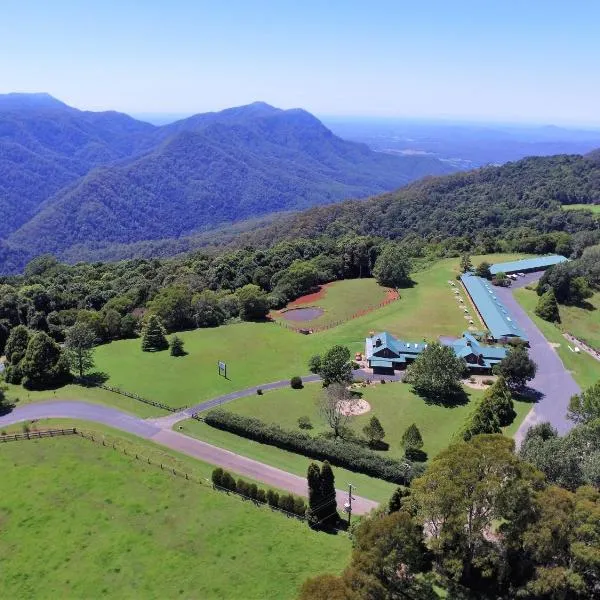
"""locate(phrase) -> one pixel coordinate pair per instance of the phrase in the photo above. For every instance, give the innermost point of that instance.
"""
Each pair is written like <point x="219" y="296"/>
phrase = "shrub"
<point x="272" y="498"/>
<point x="253" y="491"/>
<point x="314" y="363"/>
<point x="242" y="487"/>
<point x="488" y="382"/>
<point x="296" y="383"/>
<point x="340" y="453"/>
<point x="261" y="496"/>
<point x="382" y="381"/>
<point x="304" y="423"/>
<point x="259" y="392"/>
<point x="217" y="477"/>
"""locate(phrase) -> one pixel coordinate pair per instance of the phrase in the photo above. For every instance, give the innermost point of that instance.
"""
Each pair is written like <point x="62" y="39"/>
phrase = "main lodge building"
<point x="385" y="353"/>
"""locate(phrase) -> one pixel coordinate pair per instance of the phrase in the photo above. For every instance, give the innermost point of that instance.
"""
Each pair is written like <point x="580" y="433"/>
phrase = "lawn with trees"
<point x="395" y="405"/>
<point x="130" y="530"/>
<point x="258" y="352"/>
<point x="584" y="368"/>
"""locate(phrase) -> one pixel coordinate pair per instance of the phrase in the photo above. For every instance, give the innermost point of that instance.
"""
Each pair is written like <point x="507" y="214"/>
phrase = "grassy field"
<point x="585" y="369"/>
<point x="79" y="520"/>
<point x="263" y="352"/>
<point x="395" y="405"/>
<point x="342" y="300"/>
<point x="595" y="208"/>
<point x="583" y="323"/>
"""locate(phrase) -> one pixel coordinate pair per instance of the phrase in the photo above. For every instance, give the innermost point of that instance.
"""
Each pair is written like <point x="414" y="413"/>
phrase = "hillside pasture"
<point x="258" y="353"/>
<point x="80" y="520"/>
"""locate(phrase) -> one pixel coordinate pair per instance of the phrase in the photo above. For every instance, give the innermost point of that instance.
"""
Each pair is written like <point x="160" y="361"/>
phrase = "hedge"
<point x="288" y="503"/>
<point x="340" y="453"/>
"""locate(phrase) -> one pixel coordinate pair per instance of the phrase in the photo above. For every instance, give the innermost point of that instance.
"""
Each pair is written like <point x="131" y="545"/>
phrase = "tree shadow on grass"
<point x="93" y="379"/>
<point x="452" y="399"/>
<point x="6" y="407"/>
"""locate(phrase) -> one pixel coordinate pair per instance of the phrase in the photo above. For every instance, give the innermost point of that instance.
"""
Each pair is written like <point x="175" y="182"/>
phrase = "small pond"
<point x="302" y="314"/>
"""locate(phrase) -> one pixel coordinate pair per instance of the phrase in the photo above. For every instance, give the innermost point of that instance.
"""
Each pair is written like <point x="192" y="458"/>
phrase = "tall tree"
<point x="336" y="406"/>
<point x="547" y="307"/>
<point x="254" y="304"/>
<point x="16" y="344"/>
<point x="465" y="263"/>
<point x="154" y="336"/>
<point x="585" y="407"/>
<point x="43" y="365"/>
<point x="392" y="267"/>
<point x="437" y="373"/>
<point x="322" y="503"/>
<point x="336" y="366"/>
<point x="516" y="368"/>
<point x="463" y="491"/>
<point x="79" y="343"/>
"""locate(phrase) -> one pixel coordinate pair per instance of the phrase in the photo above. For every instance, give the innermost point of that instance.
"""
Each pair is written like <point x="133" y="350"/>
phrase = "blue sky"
<point x="526" y="60"/>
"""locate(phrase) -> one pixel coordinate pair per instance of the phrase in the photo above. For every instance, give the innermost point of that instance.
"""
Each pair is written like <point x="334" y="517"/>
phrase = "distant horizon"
<point x="466" y="61"/>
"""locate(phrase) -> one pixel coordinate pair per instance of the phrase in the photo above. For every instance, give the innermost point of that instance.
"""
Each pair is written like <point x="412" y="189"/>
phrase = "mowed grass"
<point x="394" y="404"/>
<point x="259" y="353"/>
<point x="584" y="368"/>
<point x="583" y="323"/>
<point x="83" y="521"/>
<point x="595" y="208"/>
<point x="342" y="300"/>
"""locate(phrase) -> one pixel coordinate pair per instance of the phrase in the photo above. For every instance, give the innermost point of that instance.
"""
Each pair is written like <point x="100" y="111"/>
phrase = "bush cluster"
<point x="288" y="502"/>
<point x="338" y="452"/>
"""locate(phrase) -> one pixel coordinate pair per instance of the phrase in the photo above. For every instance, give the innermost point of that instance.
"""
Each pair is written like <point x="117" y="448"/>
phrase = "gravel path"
<point x="176" y="441"/>
<point x="553" y="383"/>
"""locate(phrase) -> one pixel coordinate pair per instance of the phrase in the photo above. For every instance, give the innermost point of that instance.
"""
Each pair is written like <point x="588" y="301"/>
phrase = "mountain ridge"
<point x="82" y="177"/>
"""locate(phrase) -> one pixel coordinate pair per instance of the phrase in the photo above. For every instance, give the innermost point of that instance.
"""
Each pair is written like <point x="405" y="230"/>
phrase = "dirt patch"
<point x="391" y="294"/>
<point x="475" y="382"/>
<point x="302" y="314"/>
<point x="312" y="298"/>
<point x="354" y="407"/>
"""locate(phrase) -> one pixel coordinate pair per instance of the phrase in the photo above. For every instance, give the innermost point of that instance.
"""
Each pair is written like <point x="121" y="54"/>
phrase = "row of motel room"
<point x="385" y="353"/>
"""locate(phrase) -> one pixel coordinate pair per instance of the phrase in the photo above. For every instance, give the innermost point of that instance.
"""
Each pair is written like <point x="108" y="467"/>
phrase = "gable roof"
<point x="495" y="315"/>
<point x="527" y="264"/>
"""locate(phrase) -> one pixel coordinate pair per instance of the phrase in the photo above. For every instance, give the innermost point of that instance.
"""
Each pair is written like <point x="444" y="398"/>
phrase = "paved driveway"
<point x="553" y="382"/>
<point x="176" y="441"/>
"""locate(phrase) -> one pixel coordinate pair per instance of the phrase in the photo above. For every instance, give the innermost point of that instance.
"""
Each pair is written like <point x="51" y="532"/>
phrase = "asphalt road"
<point x="176" y="441"/>
<point x="553" y="383"/>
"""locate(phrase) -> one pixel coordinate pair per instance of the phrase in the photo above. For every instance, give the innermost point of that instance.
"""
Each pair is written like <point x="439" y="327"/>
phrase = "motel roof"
<point x="498" y="320"/>
<point x="527" y="264"/>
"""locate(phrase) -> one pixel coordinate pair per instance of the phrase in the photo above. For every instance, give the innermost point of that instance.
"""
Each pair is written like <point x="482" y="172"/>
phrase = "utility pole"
<point x="348" y="503"/>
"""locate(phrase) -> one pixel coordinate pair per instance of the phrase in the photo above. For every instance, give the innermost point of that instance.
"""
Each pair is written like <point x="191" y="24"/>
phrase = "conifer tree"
<point x="154" y="337"/>
<point x="412" y="442"/>
<point x="547" y="307"/>
<point x="374" y="431"/>
<point x="177" y="348"/>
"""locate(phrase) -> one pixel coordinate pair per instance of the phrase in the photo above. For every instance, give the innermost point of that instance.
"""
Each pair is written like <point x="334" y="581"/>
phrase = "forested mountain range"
<point x="514" y="202"/>
<point x="73" y="179"/>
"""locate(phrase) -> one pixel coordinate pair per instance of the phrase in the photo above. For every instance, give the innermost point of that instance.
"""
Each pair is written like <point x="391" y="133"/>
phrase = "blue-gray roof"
<point x="527" y="264"/>
<point x="467" y="346"/>
<point x="497" y="319"/>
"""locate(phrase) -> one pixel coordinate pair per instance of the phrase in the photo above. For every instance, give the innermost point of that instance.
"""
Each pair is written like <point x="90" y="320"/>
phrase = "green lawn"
<point x="595" y="208"/>
<point x="585" y="369"/>
<point x="395" y="405"/>
<point x="342" y="300"/>
<point x="583" y="323"/>
<point x="83" y="521"/>
<point x="263" y="352"/>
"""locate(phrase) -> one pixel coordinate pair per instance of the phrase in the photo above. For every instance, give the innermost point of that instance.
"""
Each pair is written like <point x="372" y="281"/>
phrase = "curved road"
<point x="553" y="383"/>
<point x="164" y="436"/>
